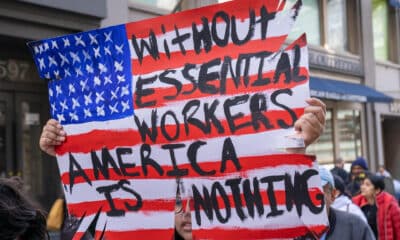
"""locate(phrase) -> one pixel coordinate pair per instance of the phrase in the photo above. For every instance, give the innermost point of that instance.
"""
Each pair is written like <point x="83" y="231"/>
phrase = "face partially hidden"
<point x="183" y="222"/>
<point x="356" y="171"/>
<point x="329" y="194"/>
<point x="367" y="189"/>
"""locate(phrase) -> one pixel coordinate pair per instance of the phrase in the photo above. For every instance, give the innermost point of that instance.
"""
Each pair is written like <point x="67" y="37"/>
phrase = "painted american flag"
<point x="93" y="85"/>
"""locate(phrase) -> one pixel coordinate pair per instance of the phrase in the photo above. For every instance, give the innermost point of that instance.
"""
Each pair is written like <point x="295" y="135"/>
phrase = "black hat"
<point x="339" y="183"/>
<point x="377" y="181"/>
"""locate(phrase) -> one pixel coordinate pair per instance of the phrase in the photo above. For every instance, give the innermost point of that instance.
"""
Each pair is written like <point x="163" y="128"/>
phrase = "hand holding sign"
<point x="52" y="135"/>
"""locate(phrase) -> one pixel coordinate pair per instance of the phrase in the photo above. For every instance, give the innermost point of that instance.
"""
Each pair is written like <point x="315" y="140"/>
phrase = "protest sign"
<point x="205" y="95"/>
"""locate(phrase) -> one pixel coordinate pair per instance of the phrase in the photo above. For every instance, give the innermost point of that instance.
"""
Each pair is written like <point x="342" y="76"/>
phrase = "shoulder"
<point x="359" y="200"/>
<point x="386" y="199"/>
<point x="349" y="219"/>
<point x="350" y="226"/>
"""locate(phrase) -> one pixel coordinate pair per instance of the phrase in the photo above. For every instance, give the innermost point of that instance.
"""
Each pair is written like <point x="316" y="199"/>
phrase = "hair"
<point x="377" y="181"/>
<point x="19" y="218"/>
<point x="339" y="160"/>
<point x="177" y="236"/>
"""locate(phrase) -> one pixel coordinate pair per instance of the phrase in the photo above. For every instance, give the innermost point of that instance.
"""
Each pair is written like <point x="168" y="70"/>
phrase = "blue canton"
<point x="89" y="73"/>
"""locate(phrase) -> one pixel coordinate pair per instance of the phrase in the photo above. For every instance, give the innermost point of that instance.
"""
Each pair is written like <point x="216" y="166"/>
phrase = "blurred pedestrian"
<point x="383" y="172"/>
<point x="342" y="225"/>
<point x="343" y="201"/>
<point x="183" y="220"/>
<point x="19" y="217"/>
<point x="387" y="178"/>
<point x="380" y="208"/>
<point x="357" y="174"/>
<point x="339" y="170"/>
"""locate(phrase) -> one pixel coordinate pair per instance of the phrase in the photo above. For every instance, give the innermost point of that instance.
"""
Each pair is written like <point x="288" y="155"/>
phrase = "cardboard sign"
<point x="206" y="96"/>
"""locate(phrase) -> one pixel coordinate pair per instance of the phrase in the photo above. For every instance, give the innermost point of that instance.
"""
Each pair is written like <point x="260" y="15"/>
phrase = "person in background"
<point x="343" y="201"/>
<point x="380" y="208"/>
<point x="183" y="221"/>
<point x="383" y="172"/>
<point x="19" y="218"/>
<point x="387" y="178"/>
<point x="342" y="225"/>
<point x="339" y="170"/>
<point x="357" y="173"/>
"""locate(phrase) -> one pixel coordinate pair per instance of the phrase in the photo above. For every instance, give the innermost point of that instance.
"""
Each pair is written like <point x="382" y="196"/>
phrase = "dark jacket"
<point x="347" y="226"/>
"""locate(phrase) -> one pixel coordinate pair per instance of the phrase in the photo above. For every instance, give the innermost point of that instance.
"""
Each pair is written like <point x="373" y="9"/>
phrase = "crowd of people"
<point x="358" y="207"/>
<point x="370" y="196"/>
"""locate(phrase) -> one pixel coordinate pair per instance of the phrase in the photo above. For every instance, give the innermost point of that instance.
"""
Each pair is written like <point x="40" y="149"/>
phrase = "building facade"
<point x="354" y="56"/>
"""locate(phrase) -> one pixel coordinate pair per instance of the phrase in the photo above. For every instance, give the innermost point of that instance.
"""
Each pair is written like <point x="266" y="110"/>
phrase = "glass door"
<point x="6" y="135"/>
<point x="38" y="170"/>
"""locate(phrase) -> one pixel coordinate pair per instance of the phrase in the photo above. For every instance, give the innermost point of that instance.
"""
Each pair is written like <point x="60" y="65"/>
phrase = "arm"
<point x="52" y="136"/>
<point x="395" y="218"/>
<point x="311" y="124"/>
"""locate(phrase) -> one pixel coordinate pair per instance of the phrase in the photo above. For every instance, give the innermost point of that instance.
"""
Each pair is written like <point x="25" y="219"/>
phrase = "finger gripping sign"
<point x="207" y="96"/>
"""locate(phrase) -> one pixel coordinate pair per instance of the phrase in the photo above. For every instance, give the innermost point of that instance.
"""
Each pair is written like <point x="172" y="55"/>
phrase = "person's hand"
<point x="311" y="124"/>
<point x="52" y="135"/>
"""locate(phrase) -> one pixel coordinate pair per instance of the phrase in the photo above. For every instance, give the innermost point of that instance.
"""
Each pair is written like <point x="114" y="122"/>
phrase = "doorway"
<point x="391" y="140"/>
<point x="22" y="117"/>
<point x="6" y="135"/>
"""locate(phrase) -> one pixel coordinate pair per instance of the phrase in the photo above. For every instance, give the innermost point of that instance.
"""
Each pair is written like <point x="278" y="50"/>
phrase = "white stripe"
<point x="300" y="92"/>
<point x="286" y="220"/>
<point x="136" y="221"/>
<point x="85" y="223"/>
<point x="165" y="220"/>
<point x="166" y="188"/>
<point x="313" y="182"/>
<point x="269" y="65"/>
<point x="118" y="124"/>
<point x="160" y="189"/>
<point x="279" y="26"/>
<point x="257" y="144"/>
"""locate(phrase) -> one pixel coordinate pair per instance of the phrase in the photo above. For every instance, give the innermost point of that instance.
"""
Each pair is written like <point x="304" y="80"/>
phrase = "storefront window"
<point x="323" y="148"/>
<point x="3" y="156"/>
<point x="349" y="126"/>
<point x="337" y="24"/>
<point x="380" y="29"/>
<point x="308" y="21"/>
<point x="33" y="170"/>
<point x="167" y="5"/>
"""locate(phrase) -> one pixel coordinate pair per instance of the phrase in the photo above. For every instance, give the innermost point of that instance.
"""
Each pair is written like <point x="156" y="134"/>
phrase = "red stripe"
<point x="246" y="163"/>
<point x="216" y="233"/>
<point x="148" y="234"/>
<point x="78" y="236"/>
<point x="301" y="42"/>
<point x="231" y="89"/>
<point x="252" y="234"/>
<point x="177" y="60"/>
<point x="98" y="139"/>
<point x="240" y="9"/>
<point x="92" y="207"/>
